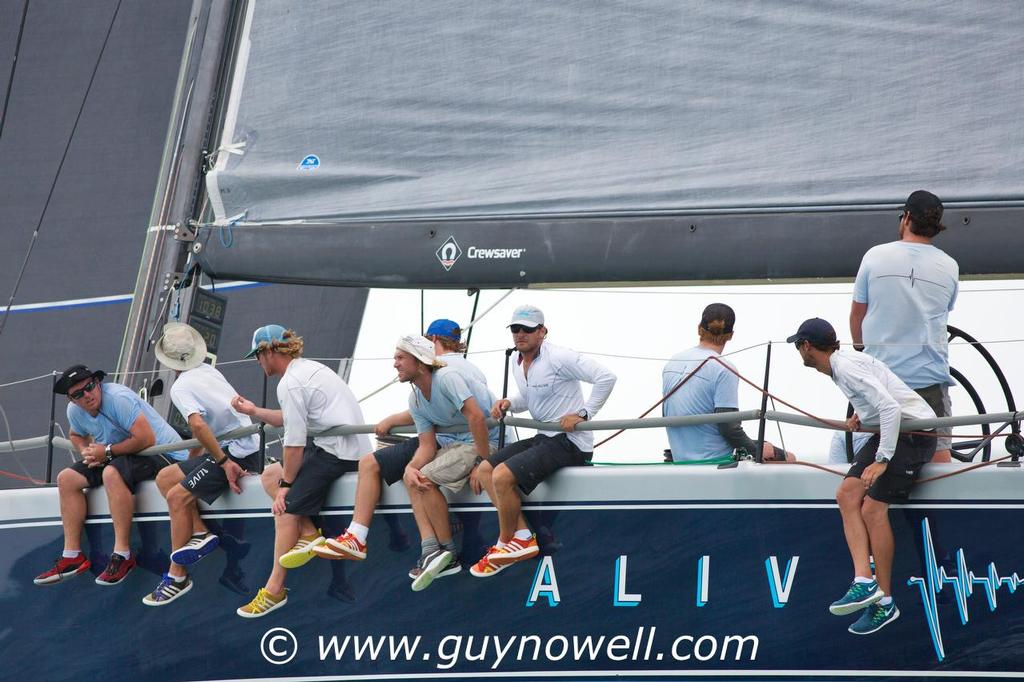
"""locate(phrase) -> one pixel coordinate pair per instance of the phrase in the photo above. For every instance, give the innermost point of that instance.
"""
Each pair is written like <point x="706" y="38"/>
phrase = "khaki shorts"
<point x="937" y="397"/>
<point x="452" y="466"/>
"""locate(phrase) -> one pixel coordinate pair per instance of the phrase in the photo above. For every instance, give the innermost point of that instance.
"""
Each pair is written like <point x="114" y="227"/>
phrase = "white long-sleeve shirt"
<point x="878" y="396"/>
<point x="552" y="389"/>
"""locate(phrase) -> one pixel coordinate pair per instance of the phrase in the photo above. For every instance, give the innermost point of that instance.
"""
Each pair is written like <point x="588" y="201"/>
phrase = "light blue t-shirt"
<point x="119" y="408"/>
<point x="711" y="387"/>
<point x="909" y="290"/>
<point x="837" y="448"/>
<point x="449" y="389"/>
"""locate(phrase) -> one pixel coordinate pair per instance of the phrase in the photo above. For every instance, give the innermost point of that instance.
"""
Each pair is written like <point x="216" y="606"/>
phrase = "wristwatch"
<point x="109" y="452"/>
<point x="281" y="483"/>
<point x="582" y="414"/>
<point x="881" y="459"/>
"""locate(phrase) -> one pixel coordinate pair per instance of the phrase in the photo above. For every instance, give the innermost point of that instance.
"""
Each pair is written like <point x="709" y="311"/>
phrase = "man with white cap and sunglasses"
<point x="548" y="379"/>
<point x="109" y="425"/>
<point x="313" y="398"/>
<point x="441" y="397"/>
<point x="203" y="397"/>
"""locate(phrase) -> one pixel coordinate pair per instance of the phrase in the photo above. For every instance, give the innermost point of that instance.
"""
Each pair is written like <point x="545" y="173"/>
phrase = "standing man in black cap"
<point x="109" y="425"/>
<point x="882" y="473"/>
<point x="902" y="298"/>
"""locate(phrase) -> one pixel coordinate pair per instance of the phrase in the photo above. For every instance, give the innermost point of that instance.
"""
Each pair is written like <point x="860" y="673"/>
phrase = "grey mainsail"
<point x="613" y="142"/>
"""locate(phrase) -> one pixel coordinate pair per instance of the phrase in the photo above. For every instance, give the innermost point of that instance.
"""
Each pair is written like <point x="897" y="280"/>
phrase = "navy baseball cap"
<point x="445" y="328"/>
<point x="816" y="330"/>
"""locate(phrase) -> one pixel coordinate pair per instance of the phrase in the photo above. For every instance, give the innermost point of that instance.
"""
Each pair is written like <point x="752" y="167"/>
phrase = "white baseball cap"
<point x="528" y="316"/>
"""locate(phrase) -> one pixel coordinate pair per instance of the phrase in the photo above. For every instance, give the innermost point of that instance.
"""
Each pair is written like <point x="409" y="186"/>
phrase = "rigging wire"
<point x="60" y="167"/>
<point x="14" y="66"/>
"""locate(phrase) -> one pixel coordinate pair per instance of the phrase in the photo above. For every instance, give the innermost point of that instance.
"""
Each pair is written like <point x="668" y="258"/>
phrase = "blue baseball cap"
<point x="816" y="330"/>
<point x="264" y="337"/>
<point x="445" y="328"/>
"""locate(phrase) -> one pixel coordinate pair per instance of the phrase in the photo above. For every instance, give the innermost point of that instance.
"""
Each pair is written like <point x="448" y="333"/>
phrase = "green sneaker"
<point x="857" y="597"/>
<point x="875" y="618"/>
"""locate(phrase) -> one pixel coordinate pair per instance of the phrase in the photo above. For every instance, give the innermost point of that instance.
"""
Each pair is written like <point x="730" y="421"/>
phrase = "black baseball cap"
<point x="924" y="207"/>
<point x="72" y="375"/>
<point x="816" y="330"/>
<point x="718" y="312"/>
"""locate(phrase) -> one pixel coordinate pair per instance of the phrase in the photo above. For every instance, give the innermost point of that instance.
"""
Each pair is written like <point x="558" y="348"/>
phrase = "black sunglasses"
<point x="517" y="328"/>
<point x="77" y="395"/>
<point x="799" y="343"/>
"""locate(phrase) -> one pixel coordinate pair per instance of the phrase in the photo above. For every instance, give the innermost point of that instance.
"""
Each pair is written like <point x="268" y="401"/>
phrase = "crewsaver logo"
<point x="449" y="252"/>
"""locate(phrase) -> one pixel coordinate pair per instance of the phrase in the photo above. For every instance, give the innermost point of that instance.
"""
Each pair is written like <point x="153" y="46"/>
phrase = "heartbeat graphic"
<point x="962" y="583"/>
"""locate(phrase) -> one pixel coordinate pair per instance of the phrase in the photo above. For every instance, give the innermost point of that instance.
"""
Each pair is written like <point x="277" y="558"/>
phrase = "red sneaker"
<point x="515" y="550"/>
<point x="348" y="544"/>
<point x="63" y="569"/>
<point x="116" y="570"/>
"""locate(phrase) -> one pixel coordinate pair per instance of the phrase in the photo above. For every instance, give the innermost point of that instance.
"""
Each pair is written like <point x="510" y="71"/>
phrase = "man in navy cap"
<point x="882" y="473"/>
<point x="902" y="297"/>
<point x="109" y="424"/>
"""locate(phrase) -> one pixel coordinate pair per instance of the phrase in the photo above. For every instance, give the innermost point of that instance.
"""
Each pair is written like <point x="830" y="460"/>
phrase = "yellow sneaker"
<point x="262" y="604"/>
<point x="302" y="553"/>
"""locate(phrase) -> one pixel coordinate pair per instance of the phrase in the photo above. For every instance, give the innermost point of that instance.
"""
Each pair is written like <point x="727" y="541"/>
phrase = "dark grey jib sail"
<point x="461" y="143"/>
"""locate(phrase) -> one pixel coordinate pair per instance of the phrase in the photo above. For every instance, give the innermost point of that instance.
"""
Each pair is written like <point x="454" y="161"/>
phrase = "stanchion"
<point x="504" y="394"/>
<point x="759" y="455"/>
<point x="53" y="425"/>
<point x="263" y="428"/>
<point x="472" y="318"/>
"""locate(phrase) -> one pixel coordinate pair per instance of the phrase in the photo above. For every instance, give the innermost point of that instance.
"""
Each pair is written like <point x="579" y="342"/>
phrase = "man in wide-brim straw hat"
<point x="203" y="397"/>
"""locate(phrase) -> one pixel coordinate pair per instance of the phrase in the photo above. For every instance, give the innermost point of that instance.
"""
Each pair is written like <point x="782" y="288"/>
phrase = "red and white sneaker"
<point x="116" y="570"/>
<point x="349" y="545"/>
<point x="515" y="550"/>
<point x="63" y="569"/>
<point x="484" y="568"/>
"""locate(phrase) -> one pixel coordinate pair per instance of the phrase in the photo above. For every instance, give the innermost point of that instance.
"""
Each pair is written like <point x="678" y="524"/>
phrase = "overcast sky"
<point x="634" y="331"/>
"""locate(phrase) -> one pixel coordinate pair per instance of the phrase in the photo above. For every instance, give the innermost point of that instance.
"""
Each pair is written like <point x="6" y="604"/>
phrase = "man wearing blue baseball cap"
<point x="313" y="398"/>
<point x="882" y="473"/>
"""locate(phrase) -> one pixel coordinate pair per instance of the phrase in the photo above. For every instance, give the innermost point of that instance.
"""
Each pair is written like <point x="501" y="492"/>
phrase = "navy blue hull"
<point x="750" y="621"/>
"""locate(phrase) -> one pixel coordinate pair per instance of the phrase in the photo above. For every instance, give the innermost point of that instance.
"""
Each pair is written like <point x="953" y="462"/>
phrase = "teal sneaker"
<point x="875" y="618"/>
<point x="857" y="597"/>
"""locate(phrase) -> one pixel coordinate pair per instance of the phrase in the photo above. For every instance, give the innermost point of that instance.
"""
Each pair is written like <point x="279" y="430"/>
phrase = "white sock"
<point x="885" y="601"/>
<point x="359" y="530"/>
<point x="500" y="545"/>
<point x="71" y="553"/>
<point x="178" y="578"/>
<point x="523" y="534"/>
<point x="124" y="555"/>
<point x="862" y="580"/>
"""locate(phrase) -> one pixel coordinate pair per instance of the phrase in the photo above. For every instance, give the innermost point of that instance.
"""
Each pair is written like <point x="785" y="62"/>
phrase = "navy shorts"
<point x="320" y="469"/>
<point x="893" y="487"/>
<point x="534" y="459"/>
<point x="134" y="469"/>
<point x="206" y="479"/>
<point x="393" y="459"/>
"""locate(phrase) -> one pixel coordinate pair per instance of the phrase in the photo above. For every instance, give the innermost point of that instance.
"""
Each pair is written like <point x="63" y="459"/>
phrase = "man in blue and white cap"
<point x="313" y="398"/>
<point x="548" y="379"/>
<point x="883" y="471"/>
<point x="203" y="397"/>
<point x="441" y="397"/>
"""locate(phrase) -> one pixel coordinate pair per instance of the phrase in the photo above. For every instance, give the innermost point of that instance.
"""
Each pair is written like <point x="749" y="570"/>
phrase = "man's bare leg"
<point x="73" y="507"/>
<point x="850" y="497"/>
<point x="122" y="506"/>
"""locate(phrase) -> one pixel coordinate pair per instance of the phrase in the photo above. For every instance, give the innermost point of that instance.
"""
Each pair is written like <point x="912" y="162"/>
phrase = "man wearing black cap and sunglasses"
<point x="882" y="473"/>
<point x="109" y="425"/>
<point x="902" y="298"/>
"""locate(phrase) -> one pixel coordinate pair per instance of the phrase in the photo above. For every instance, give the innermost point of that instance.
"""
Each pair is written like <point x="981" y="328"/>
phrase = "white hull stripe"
<point x="104" y="300"/>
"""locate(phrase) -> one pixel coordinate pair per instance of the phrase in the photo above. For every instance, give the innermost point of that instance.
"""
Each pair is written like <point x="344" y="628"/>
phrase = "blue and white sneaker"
<point x="195" y="549"/>
<point x="875" y="618"/>
<point x="167" y="591"/>
<point x="857" y="597"/>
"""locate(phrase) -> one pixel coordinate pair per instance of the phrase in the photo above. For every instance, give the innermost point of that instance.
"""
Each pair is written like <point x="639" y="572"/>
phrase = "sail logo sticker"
<point x="448" y="253"/>
<point x="309" y="163"/>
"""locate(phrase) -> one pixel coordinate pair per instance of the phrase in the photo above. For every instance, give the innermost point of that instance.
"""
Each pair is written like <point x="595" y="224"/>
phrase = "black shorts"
<point x="534" y="459"/>
<point x="393" y="459"/>
<point x="134" y="469"/>
<point x="320" y="469"/>
<point x="206" y="479"/>
<point x="893" y="487"/>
